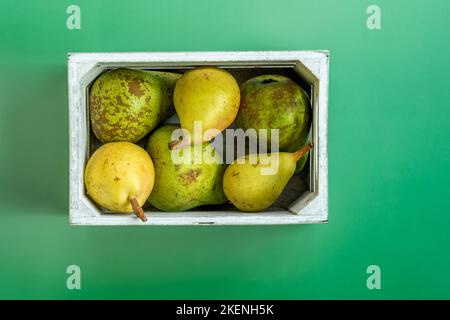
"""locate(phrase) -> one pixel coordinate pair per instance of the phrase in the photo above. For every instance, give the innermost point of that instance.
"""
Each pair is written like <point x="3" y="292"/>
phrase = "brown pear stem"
<point x="303" y="150"/>
<point x="173" y="145"/>
<point x="138" y="210"/>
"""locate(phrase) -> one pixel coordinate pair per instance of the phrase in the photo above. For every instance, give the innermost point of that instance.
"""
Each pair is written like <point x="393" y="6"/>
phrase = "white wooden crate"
<point x="309" y="207"/>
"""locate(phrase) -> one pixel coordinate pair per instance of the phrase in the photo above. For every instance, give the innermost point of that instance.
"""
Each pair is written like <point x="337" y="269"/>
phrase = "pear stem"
<point x="303" y="150"/>
<point x="138" y="210"/>
<point x="173" y="145"/>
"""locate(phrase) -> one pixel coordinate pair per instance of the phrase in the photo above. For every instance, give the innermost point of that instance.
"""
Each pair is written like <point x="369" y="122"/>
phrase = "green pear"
<point x="187" y="184"/>
<point x="254" y="182"/>
<point x="126" y="104"/>
<point x="276" y="102"/>
<point x="301" y="163"/>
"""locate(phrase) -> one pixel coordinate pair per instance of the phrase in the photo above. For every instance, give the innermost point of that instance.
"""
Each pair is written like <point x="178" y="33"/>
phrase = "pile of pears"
<point x="134" y="167"/>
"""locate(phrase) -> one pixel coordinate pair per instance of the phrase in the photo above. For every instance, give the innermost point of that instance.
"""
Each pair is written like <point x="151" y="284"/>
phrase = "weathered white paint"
<point x="310" y="207"/>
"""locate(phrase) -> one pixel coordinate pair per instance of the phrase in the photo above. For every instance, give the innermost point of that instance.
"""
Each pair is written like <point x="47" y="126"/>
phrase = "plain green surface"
<point x="389" y="123"/>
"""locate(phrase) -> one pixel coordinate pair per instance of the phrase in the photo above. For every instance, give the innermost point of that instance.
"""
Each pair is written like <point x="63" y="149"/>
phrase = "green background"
<point x="388" y="155"/>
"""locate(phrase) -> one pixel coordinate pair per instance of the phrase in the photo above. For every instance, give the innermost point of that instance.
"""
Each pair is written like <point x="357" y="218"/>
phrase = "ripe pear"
<point x="184" y="185"/>
<point x="254" y="182"/>
<point x="126" y="104"/>
<point x="301" y="163"/>
<point x="205" y="95"/>
<point x="276" y="102"/>
<point x="120" y="176"/>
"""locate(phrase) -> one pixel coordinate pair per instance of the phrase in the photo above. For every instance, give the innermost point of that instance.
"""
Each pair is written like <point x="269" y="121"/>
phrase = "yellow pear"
<point x="254" y="182"/>
<point x="205" y="95"/>
<point x="119" y="176"/>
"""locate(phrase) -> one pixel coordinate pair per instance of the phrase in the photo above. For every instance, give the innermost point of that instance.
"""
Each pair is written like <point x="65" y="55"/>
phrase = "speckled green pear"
<point x="184" y="186"/>
<point x="276" y="102"/>
<point x="125" y="104"/>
